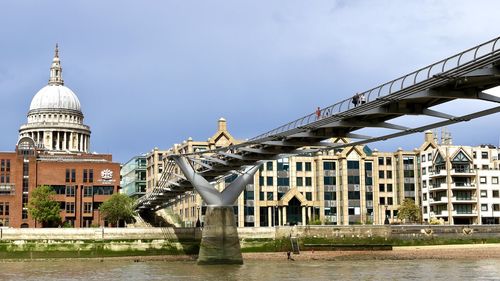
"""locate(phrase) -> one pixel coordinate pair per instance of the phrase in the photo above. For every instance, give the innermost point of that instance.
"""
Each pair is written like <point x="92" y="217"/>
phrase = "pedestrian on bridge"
<point x="362" y="99"/>
<point x="355" y="99"/>
<point x="318" y="113"/>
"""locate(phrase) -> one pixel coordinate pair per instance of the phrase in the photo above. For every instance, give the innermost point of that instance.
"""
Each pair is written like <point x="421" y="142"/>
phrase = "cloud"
<point x="152" y="74"/>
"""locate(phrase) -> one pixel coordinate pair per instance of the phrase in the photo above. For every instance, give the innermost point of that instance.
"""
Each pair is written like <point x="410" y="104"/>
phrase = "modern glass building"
<point x="133" y="177"/>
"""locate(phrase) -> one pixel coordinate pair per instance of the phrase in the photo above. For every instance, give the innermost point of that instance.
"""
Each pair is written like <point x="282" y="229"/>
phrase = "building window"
<point x="495" y="194"/>
<point x="87" y="207"/>
<point x="484" y="207"/>
<point x="423" y="158"/>
<point x="484" y="154"/>
<point x="85" y="174"/>
<point x="389" y="174"/>
<point x="494" y="180"/>
<point x="381" y="160"/>
<point x="87" y="191"/>
<point x="381" y="174"/>
<point x="308" y="166"/>
<point x="389" y="200"/>
<point x="496" y="207"/>
<point x="70" y="191"/>
<point x="388" y="161"/>
<point x="298" y="166"/>
<point x="269" y="181"/>
<point x="269" y="166"/>
<point x="329" y="180"/>
<point x="308" y="181"/>
<point x="381" y="187"/>
<point x="424" y="197"/>
<point x="484" y="193"/>
<point x="270" y="196"/>
<point x="389" y="187"/>
<point x="73" y="175"/>
<point x="70" y="207"/>
<point x="328" y="165"/>
<point x="103" y="190"/>
<point x="382" y="200"/>
<point x="424" y="170"/>
<point x="300" y="181"/>
<point x="482" y="179"/>
<point x="309" y="196"/>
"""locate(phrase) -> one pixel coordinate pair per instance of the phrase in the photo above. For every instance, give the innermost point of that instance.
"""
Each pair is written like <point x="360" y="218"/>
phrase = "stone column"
<point x="64" y="141"/>
<point x="309" y="213"/>
<point x="84" y="140"/>
<point x="80" y="137"/>
<point x="57" y="141"/>
<point x="284" y="215"/>
<point x="220" y="243"/>
<point x="304" y="215"/>
<point x="270" y="216"/>
<point x="279" y="216"/>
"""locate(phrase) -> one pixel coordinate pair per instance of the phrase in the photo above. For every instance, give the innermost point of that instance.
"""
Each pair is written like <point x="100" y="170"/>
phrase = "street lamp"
<point x="198" y="224"/>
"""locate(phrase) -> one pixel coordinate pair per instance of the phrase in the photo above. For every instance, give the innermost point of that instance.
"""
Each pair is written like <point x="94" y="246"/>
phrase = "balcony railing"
<point x="329" y="173"/>
<point x="464" y="213"/>
<point x="330" y="203"/>
<point x="283" y="189"/>
<point x="330" y="188"/>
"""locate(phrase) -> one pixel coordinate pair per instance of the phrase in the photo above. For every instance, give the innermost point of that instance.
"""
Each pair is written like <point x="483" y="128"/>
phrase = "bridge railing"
<point x="437" y="69"/>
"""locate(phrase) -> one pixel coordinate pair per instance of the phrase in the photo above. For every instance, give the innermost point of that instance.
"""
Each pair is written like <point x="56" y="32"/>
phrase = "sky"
<point x="153" y="73"/>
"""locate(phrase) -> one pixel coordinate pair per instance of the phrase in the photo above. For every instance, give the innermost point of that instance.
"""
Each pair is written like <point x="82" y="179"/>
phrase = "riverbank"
<point x="438" y="252"/>
<point x="463" y="251"/>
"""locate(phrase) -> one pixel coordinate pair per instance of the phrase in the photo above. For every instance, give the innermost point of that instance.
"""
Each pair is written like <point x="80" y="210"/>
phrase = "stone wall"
<point x="245" y="233"/>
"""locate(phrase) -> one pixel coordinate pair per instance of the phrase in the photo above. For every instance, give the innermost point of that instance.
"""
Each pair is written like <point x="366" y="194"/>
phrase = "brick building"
<point x="53" y="149"/>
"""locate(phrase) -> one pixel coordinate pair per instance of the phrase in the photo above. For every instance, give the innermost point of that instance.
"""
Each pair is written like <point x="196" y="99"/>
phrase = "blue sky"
<point x="152" y="73"/>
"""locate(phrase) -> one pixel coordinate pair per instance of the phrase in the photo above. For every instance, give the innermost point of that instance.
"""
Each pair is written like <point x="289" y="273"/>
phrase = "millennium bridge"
<point x="464" y="76"/>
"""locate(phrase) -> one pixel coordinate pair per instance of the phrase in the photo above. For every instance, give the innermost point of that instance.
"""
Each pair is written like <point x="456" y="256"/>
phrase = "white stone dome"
<point x="55" y="97"/>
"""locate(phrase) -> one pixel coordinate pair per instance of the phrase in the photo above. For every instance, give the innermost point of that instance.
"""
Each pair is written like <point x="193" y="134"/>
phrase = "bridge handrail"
<point x="341" y="107"/>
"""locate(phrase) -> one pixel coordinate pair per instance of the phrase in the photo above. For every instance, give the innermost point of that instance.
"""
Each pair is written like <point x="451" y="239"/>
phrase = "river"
<point x="488" y="269"/>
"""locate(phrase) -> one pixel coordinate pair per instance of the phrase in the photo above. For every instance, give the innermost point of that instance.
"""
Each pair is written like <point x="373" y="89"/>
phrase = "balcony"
<point x="7" y="189"/>
<point x="330" y="188"/>
<point x="471" y="199"/>
<point x="329" y="173"/>
<point x="438" y="200"/>
<point x="283" y="189"/>
<point x="409" y="193"/>
<point x="441" y="186"/>
<point x="330" y="203"/>
<point x="283" y="174"/>
<point x="443" y="213"/>
<point x="437" y="174"/>
<point x="472" y="213"/>
<point x="249" y="219"/>
<point x="463" y="185"/>
<point x="462" y="172"/>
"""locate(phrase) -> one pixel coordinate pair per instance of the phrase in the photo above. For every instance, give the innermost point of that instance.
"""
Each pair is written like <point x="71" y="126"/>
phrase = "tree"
<point x="409" y="211"/>
<point x="43" y="207"/>
<point x="117" y="207"/>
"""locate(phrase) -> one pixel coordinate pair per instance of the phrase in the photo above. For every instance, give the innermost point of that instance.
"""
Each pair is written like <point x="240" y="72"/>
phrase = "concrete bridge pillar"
<point x="220" y="243"/>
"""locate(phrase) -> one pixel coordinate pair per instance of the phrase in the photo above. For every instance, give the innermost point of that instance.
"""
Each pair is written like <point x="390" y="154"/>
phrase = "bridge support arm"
<point x="208" y="192"/>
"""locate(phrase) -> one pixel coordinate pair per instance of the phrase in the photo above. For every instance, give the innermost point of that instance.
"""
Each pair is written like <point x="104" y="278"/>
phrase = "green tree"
<point x="117" y="207"/>
<point x="43" y="207"/>
<point x="409" y="211"/>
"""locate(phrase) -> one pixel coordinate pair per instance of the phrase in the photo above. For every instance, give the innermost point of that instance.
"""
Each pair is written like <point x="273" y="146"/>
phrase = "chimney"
<point x="222" y="126"/>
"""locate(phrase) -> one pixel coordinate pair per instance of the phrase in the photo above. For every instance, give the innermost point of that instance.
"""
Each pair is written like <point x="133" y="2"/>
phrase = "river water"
<point x="108" y="270"/>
